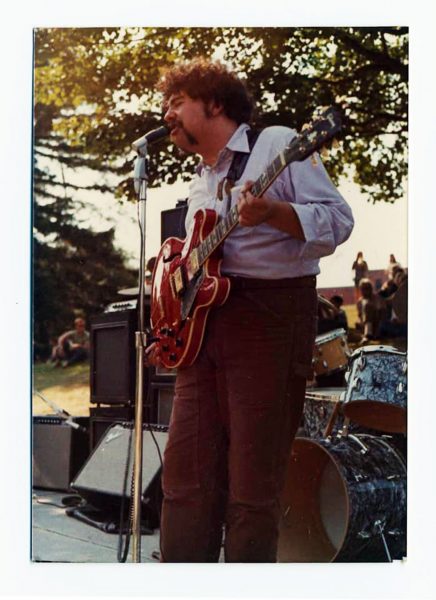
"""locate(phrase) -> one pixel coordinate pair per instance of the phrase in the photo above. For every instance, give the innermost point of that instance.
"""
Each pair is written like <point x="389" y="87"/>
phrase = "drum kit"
<point x="344" y="498"/>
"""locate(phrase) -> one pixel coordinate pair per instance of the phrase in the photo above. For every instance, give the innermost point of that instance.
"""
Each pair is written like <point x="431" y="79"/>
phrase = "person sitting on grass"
<point x="341" y="316"/>
<point x="395" y="294"/>
<point x="72" y="346"/>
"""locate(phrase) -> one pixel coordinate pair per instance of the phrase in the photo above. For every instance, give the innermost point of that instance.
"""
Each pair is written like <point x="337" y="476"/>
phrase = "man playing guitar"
<point x="238" y="405"/>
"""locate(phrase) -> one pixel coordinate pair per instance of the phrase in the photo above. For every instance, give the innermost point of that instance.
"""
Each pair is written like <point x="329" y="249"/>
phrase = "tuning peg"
<point x="324" y="152"/>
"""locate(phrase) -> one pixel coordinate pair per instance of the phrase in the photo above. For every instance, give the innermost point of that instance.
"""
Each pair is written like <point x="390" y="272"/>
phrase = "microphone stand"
<point x="140" y="182"/>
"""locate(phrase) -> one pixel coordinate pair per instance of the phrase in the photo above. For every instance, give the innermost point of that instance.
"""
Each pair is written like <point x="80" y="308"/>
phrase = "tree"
<point x="76" y="270"/>
<point x="94" y="93"/>
<point x="99" y="86"/>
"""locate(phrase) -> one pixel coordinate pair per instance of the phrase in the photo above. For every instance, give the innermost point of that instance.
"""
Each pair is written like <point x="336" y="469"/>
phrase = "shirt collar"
<point x="239" y="141"/>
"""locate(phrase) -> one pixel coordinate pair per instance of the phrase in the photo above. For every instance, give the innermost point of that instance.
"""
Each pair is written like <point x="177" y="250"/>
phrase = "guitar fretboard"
<point x="218" y="235"/>
<point x="302" y="146"/>
<point x="229" y="222"/>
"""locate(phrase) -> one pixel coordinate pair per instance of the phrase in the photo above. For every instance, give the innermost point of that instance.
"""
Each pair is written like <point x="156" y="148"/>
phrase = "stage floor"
<point x="57" y="537"/>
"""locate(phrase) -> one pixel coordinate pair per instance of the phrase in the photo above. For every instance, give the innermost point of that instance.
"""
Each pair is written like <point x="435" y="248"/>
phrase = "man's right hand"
<point x="152" y="355"/>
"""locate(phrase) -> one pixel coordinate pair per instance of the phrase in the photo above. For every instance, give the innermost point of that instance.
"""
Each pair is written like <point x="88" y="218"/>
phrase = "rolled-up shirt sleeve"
<point x="265" y="251"/>
<point x="325" y="216"/>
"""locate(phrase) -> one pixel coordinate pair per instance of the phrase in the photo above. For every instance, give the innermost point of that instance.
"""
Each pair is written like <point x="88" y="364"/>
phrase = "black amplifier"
<point x="105" y="478"/>
<point x="59" y="450"/>
<point x="113" y="358"/>
<point x="122" y="305"/>
<point x="173" y="221"/>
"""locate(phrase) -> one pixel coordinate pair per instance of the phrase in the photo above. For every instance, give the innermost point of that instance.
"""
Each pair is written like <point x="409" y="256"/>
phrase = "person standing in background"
<point x="360" y="268"/>
<point x="392" y="267"/>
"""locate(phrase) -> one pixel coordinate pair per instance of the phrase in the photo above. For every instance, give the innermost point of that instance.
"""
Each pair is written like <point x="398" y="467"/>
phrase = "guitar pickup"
<point x="193" y="263"/>
<point x="177" y="282"/>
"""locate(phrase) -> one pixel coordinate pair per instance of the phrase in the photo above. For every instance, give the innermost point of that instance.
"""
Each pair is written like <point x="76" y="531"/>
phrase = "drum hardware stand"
<point x="345" y="428"/>
<point x="382" y="535"/>
<point x="343" y="432"/>
<point x="140" y="182"/>
<point x="332" y="420"/>
<point x="364" y="449"/>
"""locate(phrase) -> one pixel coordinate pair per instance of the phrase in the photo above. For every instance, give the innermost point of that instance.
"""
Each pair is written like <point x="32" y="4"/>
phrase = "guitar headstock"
<point x="325" y="125"/>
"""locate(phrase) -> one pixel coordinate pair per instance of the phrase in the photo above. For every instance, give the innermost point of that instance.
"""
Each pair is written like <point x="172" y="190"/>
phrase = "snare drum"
<point x="319" y="406"/>
<point x="343" y="500"/>
<point x="331" y="352"/>
<point x="323" y="416"/>
<point x="376" y="394"/>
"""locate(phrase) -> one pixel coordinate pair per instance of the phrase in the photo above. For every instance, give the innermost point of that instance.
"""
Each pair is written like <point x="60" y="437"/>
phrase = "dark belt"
<point x="247" y="283"/>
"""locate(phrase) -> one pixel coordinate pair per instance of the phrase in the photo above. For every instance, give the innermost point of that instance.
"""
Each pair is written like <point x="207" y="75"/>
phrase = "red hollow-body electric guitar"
<point x="187" y="281"/>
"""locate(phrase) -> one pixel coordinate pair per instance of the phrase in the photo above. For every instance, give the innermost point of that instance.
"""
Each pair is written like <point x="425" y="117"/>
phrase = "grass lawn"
<point x="68" y="388"/>
<point x="351" y="312"/>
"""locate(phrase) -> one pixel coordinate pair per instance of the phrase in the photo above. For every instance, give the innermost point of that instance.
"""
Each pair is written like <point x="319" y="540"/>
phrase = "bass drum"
<point x="343" y="501"/>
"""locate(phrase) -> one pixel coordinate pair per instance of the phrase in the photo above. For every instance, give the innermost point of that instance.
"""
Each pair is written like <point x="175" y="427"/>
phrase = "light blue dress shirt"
<point x="263" y="251"/>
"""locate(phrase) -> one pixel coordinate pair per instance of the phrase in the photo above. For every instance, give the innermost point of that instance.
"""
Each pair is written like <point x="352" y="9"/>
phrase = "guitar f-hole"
<point x="170" y="258"/>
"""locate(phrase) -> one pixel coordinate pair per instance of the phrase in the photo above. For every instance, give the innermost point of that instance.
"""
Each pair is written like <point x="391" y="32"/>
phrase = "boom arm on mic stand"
<point x="140" y="181"/>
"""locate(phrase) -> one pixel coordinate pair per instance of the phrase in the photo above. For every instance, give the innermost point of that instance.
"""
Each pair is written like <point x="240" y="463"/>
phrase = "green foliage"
<point x="76" y="270"/>
<point x="82" y="76"/>
<point x="95" y="93"/>
<point x="74" y="275"/>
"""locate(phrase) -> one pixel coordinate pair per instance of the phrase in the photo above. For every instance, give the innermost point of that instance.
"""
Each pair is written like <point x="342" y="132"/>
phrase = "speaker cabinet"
<point x="103" y="417"/>
<point x="58" y="451"/>
<point x="172" y="222"/>
<point x="163" y="395"/>
<point x="102" y="481"/>
<point x="113" y="358"/>
<point x="162" y="386"/>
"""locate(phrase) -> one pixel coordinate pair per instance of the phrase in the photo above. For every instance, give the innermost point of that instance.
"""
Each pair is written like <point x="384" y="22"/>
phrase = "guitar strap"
<point x="237" y="166"/>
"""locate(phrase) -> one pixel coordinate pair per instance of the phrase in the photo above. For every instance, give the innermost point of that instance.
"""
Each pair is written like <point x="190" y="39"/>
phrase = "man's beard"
<point x="191" y="138"/>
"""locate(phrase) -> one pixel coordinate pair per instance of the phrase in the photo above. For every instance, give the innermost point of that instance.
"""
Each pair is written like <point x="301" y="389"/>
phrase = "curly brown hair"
<point x="207" y="80"/>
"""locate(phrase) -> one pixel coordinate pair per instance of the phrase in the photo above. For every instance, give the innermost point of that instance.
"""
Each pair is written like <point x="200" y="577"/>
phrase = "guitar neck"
<point x="259" y="187"/>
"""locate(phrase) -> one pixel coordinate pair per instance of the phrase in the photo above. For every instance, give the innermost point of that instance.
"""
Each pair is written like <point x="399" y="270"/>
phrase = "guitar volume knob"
<point x="179" y="342"/>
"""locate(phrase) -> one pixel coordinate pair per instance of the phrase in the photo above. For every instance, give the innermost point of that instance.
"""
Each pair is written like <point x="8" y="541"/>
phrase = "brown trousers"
<point x="236" y="411"/>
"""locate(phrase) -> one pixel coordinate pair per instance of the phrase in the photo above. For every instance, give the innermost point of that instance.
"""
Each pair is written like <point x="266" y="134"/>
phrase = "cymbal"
<point x="326" y="302"/>
<point x="134" y="291"/>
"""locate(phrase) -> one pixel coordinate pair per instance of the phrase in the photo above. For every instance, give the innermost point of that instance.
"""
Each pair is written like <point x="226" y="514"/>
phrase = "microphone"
<point x="152" y="136"/>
